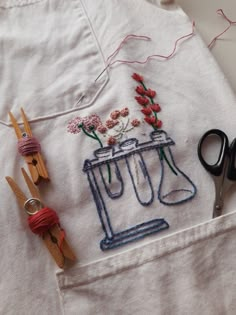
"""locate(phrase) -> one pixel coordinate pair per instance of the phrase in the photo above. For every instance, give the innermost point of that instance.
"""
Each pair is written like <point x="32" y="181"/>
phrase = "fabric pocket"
<point x="189" y="272"/>
<point x="50" y="61"/>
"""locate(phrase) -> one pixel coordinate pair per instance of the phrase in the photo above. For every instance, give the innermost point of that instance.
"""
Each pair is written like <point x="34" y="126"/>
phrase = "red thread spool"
<point x="43" y="220"/>
<point x="28" y="146"/>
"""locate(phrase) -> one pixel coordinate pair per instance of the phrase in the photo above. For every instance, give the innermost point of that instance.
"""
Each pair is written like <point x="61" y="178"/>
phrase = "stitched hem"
<point x="146" y="253"/>
<point x="87" y="97"/>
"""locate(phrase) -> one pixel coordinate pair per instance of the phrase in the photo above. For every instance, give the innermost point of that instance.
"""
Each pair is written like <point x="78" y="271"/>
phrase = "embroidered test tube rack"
<point x="130" y="158"/>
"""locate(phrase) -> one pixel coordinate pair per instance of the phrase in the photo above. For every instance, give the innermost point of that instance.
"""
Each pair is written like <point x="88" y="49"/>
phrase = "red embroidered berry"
<point x="150" y="93"/>
<point x="146" y="111"/>
<point x="142" y="100"/>
<point x="135" y="122"/>
<point x="102" y="129"/>
<point x="150" y="120"/>
<point x="140" y="90"/>
<point x="111" y="123"/>
<point x="155" y="107"/>
<point x="124" y="112"/>
<point x="111" y="140"/>
<point x="115" y="114"/>
<point x="137" y="77"/>
<point x="158" y="124"/>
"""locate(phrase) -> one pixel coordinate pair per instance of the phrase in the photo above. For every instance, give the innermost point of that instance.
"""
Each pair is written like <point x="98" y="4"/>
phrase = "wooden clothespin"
<point x="29" y="147"/>
<point x="43" y="221"/>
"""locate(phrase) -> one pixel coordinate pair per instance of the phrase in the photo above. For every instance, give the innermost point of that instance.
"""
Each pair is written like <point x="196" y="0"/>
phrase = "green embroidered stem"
<point x="163" y="155"/>
<point x="97" y="138"/>
<point x="143" y="85"/>
<point x="151" y="99"/>
<point x="162" y="152"/>
<point x="85" y="132"/>
<point x="108" y="166"/>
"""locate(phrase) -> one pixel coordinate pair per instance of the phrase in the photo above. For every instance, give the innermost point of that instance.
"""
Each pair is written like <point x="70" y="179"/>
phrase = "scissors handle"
<point x="217" y="168"/>
<point x="231" y="172"/>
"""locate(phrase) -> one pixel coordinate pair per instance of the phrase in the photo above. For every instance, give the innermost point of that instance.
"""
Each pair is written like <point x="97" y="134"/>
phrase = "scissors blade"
<point x="219" y="202"/>
<point x="21" y="198"/>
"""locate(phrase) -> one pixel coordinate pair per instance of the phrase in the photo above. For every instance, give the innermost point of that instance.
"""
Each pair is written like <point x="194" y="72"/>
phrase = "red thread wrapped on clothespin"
<point x="43" y="221"/>
<point x="29" y="148"/>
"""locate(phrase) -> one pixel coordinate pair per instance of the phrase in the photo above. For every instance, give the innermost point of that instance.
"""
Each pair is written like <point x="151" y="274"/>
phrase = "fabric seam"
<point x="197" y="235"/>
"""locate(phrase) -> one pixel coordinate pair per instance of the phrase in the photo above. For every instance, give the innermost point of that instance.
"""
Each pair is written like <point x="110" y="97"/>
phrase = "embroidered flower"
<point x="158" y="124"/>
<point x="150" y="93"/>
<point x="142" y="100"/>
<point x="145" y="98"/>
<point x="137" y="77"/>
<point x="111" y="123"/>
<point x="140" y="90"/>
<point x="102" y="129"/>
<point x="115" y="114"/>
<point x="146" y="111"/>
<point x="89" y="123"/>
<point x="124" y="112"/>
<point x="111" y="140"/>
<point x="150" y="120"/>
<point x="155" y="107"/>
<point x="135" y="122"/>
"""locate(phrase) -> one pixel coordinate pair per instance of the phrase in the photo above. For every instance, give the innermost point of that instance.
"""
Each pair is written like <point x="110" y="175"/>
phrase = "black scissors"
<point x="223" y="171"/>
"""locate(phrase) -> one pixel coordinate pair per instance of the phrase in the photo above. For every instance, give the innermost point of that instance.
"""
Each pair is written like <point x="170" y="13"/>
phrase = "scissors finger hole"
<point x="211" y="149"/>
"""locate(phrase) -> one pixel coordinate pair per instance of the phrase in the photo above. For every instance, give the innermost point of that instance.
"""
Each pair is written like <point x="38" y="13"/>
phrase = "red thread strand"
<point x="221" y="12"/>
<point x="42" y="221"/>
<point x="157" y="55"/>
<point x="28" y="146"/>
<point x="109" y="61"/>
<point x="130" y="36"/>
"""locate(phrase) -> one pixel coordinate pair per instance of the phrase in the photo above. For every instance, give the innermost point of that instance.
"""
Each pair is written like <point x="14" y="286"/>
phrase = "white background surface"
<point x="209" y="24"/>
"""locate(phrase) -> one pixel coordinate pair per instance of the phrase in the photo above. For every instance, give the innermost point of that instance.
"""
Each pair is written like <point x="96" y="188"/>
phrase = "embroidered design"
<point x="125" y="152"/>
<point x="127" y="162"/>
<point x="150" y="109"/>
<point x="88" y="125"/>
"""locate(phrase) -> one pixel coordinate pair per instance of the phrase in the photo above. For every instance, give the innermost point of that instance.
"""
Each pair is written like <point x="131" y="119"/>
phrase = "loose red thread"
<point x="130" y="36"/>
<point x="42" y="221"/>
<point x="28" y="146"/>
<point x="220" y="12"/>
<point x="109" y="61"/>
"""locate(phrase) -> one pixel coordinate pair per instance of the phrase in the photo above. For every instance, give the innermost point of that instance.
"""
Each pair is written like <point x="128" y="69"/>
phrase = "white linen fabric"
<point x="51" y="53"/>
<point x="190" y="272"/>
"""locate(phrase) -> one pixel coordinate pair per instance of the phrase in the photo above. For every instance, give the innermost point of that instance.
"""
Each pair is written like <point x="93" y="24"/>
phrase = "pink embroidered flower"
<point x="150" y="93"/>
<point x="150" y="120"/>
<point x="89" y="123"/>
<point x="146" y="111"/>
<point x="142" y="100"/>
<point x="111" y="140"/>
<point x="115" y="114"/>
<point x="102" y="129"/>
<point x="137" y="77"/>
<point x="135" y="122"/>
<point x="111" y="123"/>
<point x="140" y="90"/>
<point x="124" y="112"/>
<point x="155" y="107"/>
